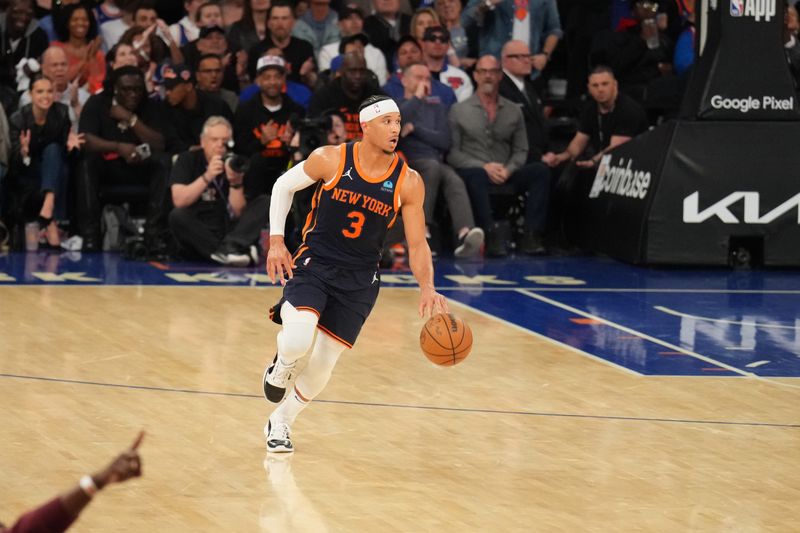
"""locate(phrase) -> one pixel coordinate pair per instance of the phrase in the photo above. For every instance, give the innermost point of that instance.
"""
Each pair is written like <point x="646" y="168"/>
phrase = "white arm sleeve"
<point x="290" y="182"/>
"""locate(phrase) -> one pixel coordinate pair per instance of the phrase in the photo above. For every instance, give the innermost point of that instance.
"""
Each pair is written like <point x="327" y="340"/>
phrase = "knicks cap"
<point x="266" y="62"/>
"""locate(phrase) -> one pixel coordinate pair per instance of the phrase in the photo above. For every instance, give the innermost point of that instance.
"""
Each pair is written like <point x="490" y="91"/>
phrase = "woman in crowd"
<point x="41" y="137"/>
<point x="150" y="51"/>
<point x="77" y="34"/>
<point x="252" y="29"/>
<point x="208" y="15"/>
<point x="463" y="55"/>
<point x="423" y="18"/>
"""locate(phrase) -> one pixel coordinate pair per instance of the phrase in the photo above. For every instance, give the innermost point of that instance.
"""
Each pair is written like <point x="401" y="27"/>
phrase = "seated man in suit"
<point x="516" y="86"/>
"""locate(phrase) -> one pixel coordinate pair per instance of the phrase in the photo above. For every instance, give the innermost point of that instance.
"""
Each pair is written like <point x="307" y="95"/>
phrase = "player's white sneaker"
<point x="276" y="376"/>
<point x="279" y="439"/>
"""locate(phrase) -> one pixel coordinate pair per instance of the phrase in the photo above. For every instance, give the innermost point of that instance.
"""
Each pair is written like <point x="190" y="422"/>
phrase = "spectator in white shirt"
<point x="351" y="22"/>
<point x="186" y="30"/>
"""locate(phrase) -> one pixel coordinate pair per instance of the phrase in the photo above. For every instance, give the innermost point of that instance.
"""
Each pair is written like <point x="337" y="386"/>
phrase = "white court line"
<point x="669" y="311"/>
<point x="676" y="291"/>
<point x="537" y="288"/>
<point x="637" y="333"/>
<point x="545" y="337"/>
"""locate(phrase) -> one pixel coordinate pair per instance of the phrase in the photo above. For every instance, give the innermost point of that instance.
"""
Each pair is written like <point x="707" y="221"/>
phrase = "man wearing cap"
<point x="298" y="53"/>
<point x="262" y="129"/>
<point x="435" y="43"/>
<point x="345" y="94"/>
<point x="333" y="278"/>
<point x="351" y="22"/>
<point x="187" y="108"/>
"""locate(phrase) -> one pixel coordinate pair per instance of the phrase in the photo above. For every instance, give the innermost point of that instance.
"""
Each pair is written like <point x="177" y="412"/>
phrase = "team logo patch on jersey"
<point x="387" y="186"/>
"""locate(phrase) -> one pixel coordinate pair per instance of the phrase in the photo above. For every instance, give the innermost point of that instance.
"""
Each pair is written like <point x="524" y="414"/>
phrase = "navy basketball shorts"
<point x="341" y="298"/>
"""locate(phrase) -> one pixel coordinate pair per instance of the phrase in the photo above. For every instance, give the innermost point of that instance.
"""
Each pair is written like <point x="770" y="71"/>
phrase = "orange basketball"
<point x="445" y="339"/>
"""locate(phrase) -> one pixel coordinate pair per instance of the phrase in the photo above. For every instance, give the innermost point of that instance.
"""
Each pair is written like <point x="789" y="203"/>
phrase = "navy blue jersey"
<point x="351" y="213"/>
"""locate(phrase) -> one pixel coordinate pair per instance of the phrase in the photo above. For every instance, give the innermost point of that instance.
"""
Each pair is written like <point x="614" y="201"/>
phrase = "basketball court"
<point x="598" y="397"/>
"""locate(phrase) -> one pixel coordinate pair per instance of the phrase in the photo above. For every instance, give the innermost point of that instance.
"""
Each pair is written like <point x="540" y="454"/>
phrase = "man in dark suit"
<point x="517" y="87"/>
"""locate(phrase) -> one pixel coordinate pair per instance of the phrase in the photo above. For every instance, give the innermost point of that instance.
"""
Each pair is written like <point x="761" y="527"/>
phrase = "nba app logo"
<point x="737" y="8"/>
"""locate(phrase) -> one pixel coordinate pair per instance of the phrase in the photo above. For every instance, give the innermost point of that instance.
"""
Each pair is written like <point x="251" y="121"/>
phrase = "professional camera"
<point x="239" y="163"/>
<point x="135" y="249"/>
<point x="313" y="133"/>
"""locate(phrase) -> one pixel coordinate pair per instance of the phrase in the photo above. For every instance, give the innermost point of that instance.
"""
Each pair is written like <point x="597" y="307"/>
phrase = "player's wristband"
<point x="88" y="486"/>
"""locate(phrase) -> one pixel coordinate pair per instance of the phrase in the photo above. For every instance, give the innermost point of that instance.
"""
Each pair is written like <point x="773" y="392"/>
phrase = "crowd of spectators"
<point x="108" y="103"/>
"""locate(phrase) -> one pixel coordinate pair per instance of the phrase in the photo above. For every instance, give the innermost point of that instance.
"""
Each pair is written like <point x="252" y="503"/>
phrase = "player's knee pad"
<point x="297" y="334"/>
<point x="318" y="371"/>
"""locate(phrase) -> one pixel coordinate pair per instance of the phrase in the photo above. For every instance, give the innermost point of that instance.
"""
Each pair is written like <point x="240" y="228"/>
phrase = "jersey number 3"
<point x="356" y="224"/>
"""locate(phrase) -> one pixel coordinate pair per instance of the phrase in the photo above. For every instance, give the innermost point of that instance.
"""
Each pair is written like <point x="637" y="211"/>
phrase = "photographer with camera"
<point x="126" y="139"/>
<point x="212" y="218"/>
<point x="262" y="127"/>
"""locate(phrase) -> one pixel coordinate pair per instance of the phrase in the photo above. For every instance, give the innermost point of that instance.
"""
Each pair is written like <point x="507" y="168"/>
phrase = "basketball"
<point x="445" y="339"/>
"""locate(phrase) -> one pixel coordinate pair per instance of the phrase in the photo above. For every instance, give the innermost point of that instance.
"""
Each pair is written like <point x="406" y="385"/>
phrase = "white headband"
<point x="377" y="109"/>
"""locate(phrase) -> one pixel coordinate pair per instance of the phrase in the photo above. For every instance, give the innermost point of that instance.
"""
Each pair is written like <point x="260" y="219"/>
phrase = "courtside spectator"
<point x="609" y="118"/>
<point x="41" y="139"/>
<point x="424" y="140"/>
<point x="490" y="148"/>
<point x="212" y="218"/>
<point x="126" y="139"/>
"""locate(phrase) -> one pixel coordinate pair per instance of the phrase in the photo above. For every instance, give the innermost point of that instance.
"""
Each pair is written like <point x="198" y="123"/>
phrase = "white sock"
<point x="290" y="407"/>
<point x="313" y="378"/>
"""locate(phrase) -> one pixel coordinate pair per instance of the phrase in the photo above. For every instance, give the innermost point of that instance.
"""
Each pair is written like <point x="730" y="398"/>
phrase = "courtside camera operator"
<point x="212" y="218"/>
<point x="311" y="133"/>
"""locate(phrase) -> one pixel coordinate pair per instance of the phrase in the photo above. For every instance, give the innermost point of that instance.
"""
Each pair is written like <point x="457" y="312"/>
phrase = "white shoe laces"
<point x="280" y="431"/>
<point x="283" y="373"/>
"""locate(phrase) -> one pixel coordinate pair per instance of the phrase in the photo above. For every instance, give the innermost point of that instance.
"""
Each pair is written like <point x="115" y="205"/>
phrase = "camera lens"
<point x="238" y="163"/>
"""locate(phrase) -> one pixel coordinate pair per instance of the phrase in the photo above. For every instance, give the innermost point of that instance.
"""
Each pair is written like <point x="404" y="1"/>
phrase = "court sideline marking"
<point x="666" y="344"/>
<point x="406" y="406"/>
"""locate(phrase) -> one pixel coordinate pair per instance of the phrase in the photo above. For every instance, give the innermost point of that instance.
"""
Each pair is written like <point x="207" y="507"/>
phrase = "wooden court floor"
<point x="523" y="436"/>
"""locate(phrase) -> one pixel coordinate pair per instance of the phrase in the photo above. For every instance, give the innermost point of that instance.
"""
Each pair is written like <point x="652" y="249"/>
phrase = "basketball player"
<point x="360" y="189"/>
